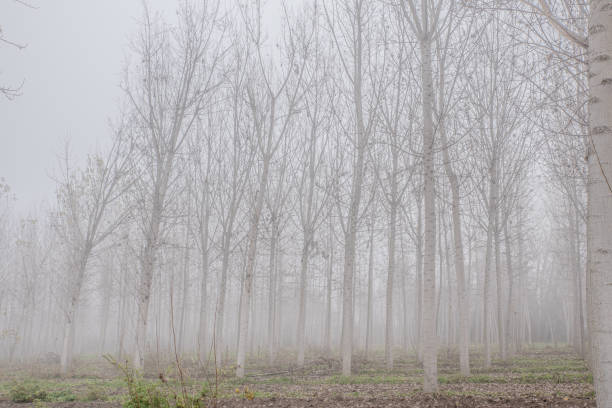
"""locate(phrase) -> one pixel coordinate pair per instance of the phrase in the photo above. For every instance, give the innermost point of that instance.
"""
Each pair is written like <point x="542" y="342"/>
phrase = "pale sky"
<point x="71" y="68"/>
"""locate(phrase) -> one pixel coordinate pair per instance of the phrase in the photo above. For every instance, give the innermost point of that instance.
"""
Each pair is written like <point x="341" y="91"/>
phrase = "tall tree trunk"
<point x="492" y="208"/>
<point x="68" y="341"/>
<point x="499" y="282"/>
<point x="220" y="312"/>
<point x="430" y="347"/>
<point x="279" y="298"/>
<point x="520" y="319"/>
<point x="509" y="323"/>
<point x="579" y="284"/>
<point x="370" y="300"/>
<point x="328" y="303"/>
<point x="202" y="342"/>
<point x="599" y="219"/>
<point x="272" y="278"/>
<point x="449" y="302"/>
<point x="185" y="280"/>
<point x="147" y="265"/>
<point x="251" y="259"/>
<point x="405" y="314"/>
<point x="107" y="293"/>
<point x="391" y="261"/>
<point x="75" y="294"/>
<point x="462" y="300"/>
<point x="301" y="323"/>
<point x="122" y="321"/>
<point x="419" y="281"/>
<point x="308" y="224"/>
<point x="350" y="236"/>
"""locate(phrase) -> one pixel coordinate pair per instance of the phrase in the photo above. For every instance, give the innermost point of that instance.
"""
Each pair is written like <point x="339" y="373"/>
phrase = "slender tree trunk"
<point x="449" y="301"/>
<point x="440" y="275"/>
<point x="203" y="321"/>
<point x="509" y="323"/>
<point x="251" y="258"/>
<point x="302" y="298"/>
<point x="369" y="317"/>
<point x="272" y="291"/>
<point x="220" y="312"/>
<point x="147" y="265"/>
<point x="330" y="269"/>
<point x="499" y="282"/>
<point x="391" y="262"/>
<point x="404" y="305"/>
<point x="108" y="291"/>
<point x="488" y="261"/>
<point x="121" y="326"/>
<point x="462" y="300"/>
<point x="143" y="294"/>
<point x="579" y="283"/>
<point x="185" y="280"/>
<point x="430" y="347"/>
<point x="520" y="320"/>
<point x="419" y="281"/>
<point x="279" y="298"/>
<point x="350" y="238"/>
<point x="68" y="342"/>
<point x="75" y="294"/>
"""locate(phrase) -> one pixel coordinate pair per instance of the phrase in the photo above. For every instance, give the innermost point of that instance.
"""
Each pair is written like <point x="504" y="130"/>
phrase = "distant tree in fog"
<point x="168" y="88"/>
<point x="88" y="211"/>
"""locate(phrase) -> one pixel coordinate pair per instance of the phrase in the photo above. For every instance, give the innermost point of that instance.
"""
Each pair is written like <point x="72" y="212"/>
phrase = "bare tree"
<point x="350" y="23"/>
<point x="425" y="24"/>
<point x="311" y="190"/>
<point x="397" y="118"/>
<point x="270" y="123"/>
<point x="85" y="219"/>
<point x="168" y="90"/>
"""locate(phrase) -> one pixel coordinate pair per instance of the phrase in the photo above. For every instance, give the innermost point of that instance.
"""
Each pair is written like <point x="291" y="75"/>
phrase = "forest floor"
<point x="541" y="376"/>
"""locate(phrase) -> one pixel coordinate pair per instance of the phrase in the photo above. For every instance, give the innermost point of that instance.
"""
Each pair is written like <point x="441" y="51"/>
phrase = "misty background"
<point x="71" y="69"/>
<point x="234" y="185"/>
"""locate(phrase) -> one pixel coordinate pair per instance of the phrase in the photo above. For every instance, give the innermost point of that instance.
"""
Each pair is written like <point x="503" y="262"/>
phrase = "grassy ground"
<point x="538" y="377"/>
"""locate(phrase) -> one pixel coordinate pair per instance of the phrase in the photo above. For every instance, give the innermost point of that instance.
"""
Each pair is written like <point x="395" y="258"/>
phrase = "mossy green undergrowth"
<point x="366" y="379"/>
<point x="31" y="390"/>
<point x="538" y="365"/>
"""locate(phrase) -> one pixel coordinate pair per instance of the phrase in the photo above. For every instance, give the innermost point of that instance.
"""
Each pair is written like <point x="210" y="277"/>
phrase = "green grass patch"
<point x="61" y="395"/>
<point x="556" y="378"/>
<point x="366" y="379"/>
<point x="473" y="379"/>
<point x="27" y="392"/>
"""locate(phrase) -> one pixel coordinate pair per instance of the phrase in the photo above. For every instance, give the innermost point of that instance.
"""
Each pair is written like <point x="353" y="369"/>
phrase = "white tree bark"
<point x="430" y="347"/>
<point x="272" y="289"/>
<point x="204" y="232"/>
<point x="462" y="299"/>
<point x="394" y="198"/>
<point x="599" y="221"/>
<point x="251" y="258"/>
<point x="370" y="299"/>
<point x="492" y="208"/>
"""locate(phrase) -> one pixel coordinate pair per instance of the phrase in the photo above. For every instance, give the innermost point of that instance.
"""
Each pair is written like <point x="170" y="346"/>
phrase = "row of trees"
<point x="412" y="160"/>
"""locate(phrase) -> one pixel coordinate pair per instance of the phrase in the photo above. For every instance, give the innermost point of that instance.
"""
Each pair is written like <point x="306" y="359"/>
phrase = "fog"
<point x="228" y="185"/>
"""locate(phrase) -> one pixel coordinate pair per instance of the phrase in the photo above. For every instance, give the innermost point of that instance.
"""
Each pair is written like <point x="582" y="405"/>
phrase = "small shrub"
<point x="205" y="391"/>
<point x="27" y="393"/>
<point x="64" y="395"/>
<point x="39" y="404"/>
<point x="94" y="393"/>
<point x="144" y="395"/>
